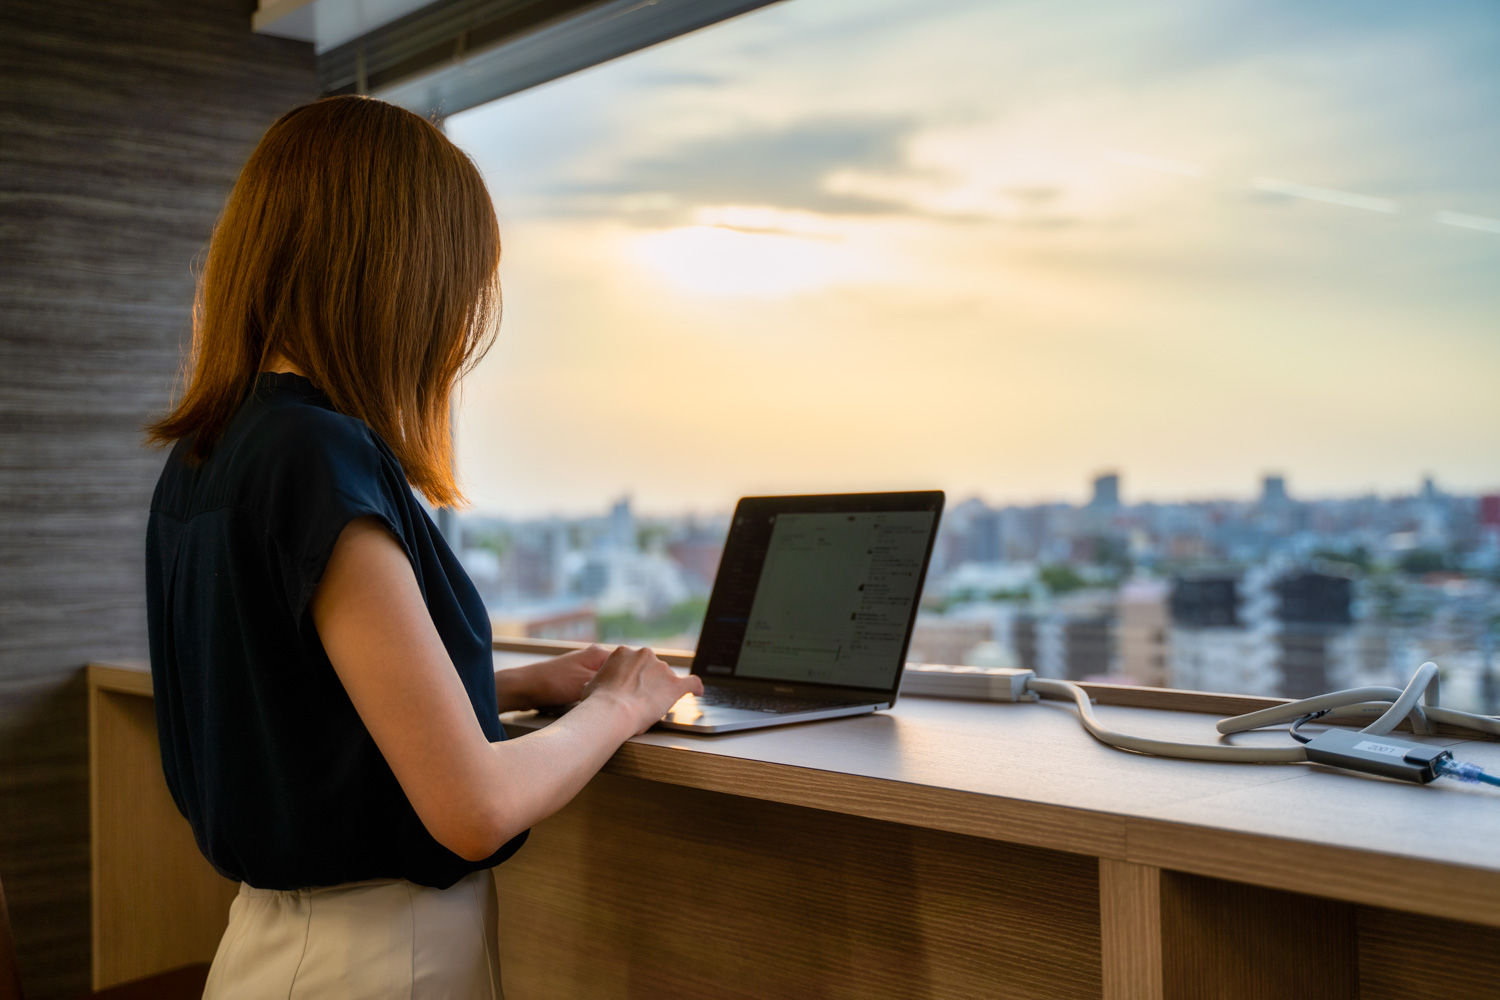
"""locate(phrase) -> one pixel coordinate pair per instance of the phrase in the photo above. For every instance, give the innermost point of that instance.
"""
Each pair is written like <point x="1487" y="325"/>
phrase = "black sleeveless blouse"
<point x="262" y="748"/>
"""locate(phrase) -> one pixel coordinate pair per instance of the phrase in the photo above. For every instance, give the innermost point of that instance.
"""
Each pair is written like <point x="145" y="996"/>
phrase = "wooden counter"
<point x="943" y="849"/>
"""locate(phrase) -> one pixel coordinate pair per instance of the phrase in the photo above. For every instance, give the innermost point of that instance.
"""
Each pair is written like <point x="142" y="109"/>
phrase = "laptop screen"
<point x="819" y="596"/>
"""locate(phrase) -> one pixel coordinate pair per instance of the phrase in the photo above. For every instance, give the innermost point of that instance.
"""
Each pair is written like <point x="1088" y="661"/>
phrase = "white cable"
<point x="1391" y="703"/>
<point x="1466" y="720"/>
<point x="1424" y="681"/>
<point x="1371" y="709"/>
<point x="1161" y="748"/>
<point x="1281" y="714"/>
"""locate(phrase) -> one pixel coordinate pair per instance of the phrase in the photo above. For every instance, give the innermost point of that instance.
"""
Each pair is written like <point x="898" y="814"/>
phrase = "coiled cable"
<point x="1388" y="705"/>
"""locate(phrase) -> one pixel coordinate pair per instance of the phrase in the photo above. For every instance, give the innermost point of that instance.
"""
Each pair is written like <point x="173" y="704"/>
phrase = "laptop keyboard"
<point x="722" y="697"/>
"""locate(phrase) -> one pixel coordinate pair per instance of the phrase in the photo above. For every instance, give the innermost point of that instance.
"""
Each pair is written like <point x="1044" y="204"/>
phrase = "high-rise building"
<point x="1269" y="630"/>
<point x="1106" y="492"/>
<point x="1206" y="600"/>
<point x="1073" y="638"/>
<point x="970" y="533"/>
<point x="984" y="538"/>
<point x="1021" y="532"/>
<point x="1489" y="511"/>
<point x="1273" y="492"/>
<point x="1142" y="631"/>
<point x="940" y="639"/>
<point x="622" y="526"/>
<point x="1313" y="611"/>
<point x="1024" y="641"/>
<point x="1314" y="598"/>
<point x="1216" y="641"/>
<point x="1220" y="659"/>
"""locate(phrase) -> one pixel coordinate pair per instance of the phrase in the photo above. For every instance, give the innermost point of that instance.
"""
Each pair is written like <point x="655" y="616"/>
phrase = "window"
<point x="1189" y="307"/>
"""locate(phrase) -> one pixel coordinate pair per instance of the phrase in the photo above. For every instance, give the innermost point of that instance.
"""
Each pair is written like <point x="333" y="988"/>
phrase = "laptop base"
<point x="688" y="716"/>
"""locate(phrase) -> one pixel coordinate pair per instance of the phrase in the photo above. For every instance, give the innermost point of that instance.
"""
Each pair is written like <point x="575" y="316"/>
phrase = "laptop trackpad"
<point x="689" y="712"/>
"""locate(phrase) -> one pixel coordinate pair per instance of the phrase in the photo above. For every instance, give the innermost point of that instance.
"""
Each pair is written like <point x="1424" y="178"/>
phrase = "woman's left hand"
<point x="561" y="680"/>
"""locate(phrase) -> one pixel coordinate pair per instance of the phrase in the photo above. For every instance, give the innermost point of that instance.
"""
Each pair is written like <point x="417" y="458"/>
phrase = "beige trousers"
<point x="378" y="940"/>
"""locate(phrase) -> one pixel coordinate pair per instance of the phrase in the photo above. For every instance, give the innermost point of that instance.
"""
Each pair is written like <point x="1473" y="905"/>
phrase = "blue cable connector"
<point x="1464" y="771"/>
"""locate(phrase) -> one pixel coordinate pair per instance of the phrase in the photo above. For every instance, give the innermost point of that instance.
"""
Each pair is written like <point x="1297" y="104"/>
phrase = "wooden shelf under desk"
<point x="946" y="849"/>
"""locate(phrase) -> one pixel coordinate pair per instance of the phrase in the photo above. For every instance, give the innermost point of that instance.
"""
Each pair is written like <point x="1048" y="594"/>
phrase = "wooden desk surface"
<point x="1029" y="774"/>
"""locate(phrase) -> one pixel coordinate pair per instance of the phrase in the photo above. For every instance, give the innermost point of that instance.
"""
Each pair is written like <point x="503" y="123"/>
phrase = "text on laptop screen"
<point x="834" y="598"/>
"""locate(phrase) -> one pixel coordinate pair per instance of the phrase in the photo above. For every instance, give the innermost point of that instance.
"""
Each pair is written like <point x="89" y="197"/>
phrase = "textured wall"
<point x="124" y="122"/>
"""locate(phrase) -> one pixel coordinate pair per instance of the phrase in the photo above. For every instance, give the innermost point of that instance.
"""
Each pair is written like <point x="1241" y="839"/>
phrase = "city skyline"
<point x="1079" y="499"/>
<point x="1272" y="596"/>
<point x="994" y="248"/>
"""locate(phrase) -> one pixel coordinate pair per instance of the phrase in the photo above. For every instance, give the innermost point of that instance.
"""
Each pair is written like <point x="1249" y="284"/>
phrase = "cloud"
<point x="682" y="78"/>
<point x="1018" y="215"/>
<point x="782" y="167"/>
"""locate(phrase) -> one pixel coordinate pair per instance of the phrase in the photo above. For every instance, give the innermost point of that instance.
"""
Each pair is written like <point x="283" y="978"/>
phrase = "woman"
<point x="326" y="701"/>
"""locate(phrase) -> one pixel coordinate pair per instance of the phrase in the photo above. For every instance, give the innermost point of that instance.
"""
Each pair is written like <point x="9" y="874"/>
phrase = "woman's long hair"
<point x="361" y="245"/>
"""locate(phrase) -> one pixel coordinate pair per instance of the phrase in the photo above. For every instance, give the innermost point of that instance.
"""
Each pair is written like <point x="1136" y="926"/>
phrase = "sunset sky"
<point x="997" y="247"/>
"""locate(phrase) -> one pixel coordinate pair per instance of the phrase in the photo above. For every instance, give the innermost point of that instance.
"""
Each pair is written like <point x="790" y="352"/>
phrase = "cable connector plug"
<point x="1383" y="755"/>
<point x="1462" y="770"/>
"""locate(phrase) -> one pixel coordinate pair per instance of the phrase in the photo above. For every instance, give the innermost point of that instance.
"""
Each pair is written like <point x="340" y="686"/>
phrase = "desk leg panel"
<point x="1130" y="930"/>
<point x="1406" y="956"/>
<point x="158" y="903"/>
<point x="640" y="889"/>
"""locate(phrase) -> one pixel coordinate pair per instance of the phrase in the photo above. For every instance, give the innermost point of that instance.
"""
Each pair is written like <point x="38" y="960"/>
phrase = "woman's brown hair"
<point x="360" y="245"/>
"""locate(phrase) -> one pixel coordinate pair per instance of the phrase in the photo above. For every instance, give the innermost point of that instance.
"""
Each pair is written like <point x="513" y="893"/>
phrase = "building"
<point x="970" y="533"/>
<point x="947" y="639"/>
<point x="1106" y="492"/>
<point x="643" y="584"/>
<point x="1025" y="641"/>
<point x="1218" y="639"/>
<point x="698" y="557"/>
<point x="1268" y="630"/>
<point x="1072" y="637"/>
<point x="621" y="532"/>
<point x="1489" y="512"/>
<point x="572" y="623"/>
<point x="1210" y="600"/>
<point x="1273" y="492"/>
<point x="1313" y="611"/>
<point x="1220" y="659"/>
<point x="1143" y="621"/>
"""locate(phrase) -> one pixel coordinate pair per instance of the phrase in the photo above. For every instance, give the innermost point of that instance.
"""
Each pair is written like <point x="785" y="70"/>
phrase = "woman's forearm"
<point x="532" y="777"/>
<point x="471" y="795"/>
<point x="561" y="680"/>
<point x="513" y="689"/>
<point x="537" y="774"/>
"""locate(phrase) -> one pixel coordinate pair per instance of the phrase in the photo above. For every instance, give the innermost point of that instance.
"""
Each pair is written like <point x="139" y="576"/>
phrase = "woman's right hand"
<point x="643" y="685"/>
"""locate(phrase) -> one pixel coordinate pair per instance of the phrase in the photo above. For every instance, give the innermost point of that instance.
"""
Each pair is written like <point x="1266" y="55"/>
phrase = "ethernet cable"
<point x="1463" y="771"/>
<point x="1369" y="750"/>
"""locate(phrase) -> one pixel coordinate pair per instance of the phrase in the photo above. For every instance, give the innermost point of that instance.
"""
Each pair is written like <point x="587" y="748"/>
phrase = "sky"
<point x="998" y="248"/>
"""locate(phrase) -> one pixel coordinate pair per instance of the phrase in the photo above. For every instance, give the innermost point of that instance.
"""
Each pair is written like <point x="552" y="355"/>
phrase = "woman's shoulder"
<point x="298" y="433"/>
<point x="287" y="459"/>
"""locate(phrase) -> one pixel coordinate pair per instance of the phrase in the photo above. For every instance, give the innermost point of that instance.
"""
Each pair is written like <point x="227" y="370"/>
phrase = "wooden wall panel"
<point x="651" y="891"/>
<point x="124" y="123"/>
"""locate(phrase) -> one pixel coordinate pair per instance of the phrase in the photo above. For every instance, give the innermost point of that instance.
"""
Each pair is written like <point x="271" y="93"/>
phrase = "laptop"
<point x="812" y="610"/>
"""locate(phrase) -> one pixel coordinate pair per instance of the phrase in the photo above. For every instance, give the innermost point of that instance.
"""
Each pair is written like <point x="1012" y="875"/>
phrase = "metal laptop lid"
<point x="817" y="595"/>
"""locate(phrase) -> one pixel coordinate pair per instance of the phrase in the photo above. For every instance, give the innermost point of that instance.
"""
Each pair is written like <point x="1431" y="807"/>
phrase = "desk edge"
<point x="1456" y="892"/>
